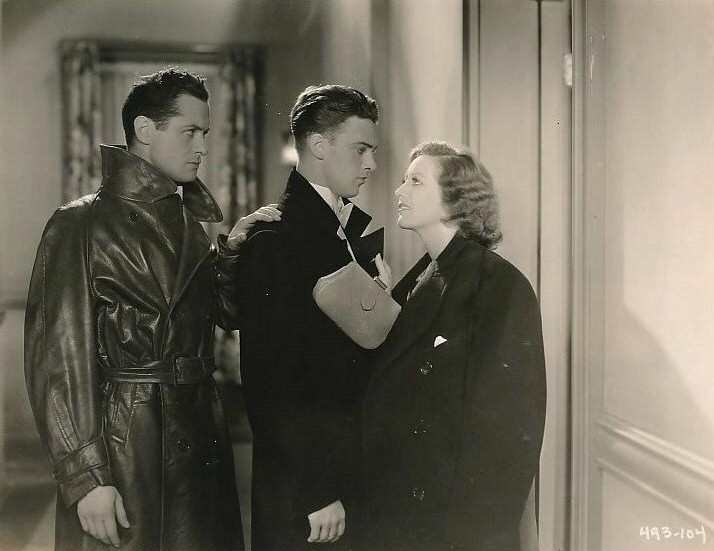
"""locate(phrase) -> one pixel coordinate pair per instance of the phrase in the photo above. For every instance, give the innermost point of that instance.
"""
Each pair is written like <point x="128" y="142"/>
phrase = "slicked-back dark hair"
<point x="321" y="109"/>
<point x="154" y="96"/>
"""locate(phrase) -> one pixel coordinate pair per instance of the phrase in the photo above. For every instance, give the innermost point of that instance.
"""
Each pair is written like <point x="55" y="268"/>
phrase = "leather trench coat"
<point x="118" y="359"/>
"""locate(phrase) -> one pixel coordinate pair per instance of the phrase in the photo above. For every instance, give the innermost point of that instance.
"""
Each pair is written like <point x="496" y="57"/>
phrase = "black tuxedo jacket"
<point x="303" y="378"/>
<point x="453" y="416"/>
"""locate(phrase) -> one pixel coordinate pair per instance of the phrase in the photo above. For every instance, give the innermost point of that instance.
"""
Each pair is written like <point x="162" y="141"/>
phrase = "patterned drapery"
<point x="237" y="191"/>
<point x="81" y="95"/>
<point x="238" y="176"/>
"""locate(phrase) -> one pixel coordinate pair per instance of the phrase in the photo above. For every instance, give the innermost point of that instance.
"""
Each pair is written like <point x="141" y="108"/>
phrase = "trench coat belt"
<point x="179" y="370"/>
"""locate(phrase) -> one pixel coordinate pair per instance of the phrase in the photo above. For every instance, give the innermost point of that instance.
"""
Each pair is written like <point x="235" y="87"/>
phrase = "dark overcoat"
<point x="124" y="295"/>
<point x="303" y="378"/>
<point x="453" y="416"/>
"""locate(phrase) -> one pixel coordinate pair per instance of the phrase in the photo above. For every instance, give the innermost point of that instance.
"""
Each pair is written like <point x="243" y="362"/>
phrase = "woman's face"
<point x="420" y="205"/>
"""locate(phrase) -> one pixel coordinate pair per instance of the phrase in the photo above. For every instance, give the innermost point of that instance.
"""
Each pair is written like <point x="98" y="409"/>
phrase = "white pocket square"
<point x="439" y="340"/>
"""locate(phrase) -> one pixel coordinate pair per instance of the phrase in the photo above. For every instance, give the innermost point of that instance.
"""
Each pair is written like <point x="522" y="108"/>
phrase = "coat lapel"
<point x="194" y="250"/>
<point x="415" y="318"/>
<point x="407" y="283"/>
<point x="419" y="312"/>
<point x="161" y="267"/>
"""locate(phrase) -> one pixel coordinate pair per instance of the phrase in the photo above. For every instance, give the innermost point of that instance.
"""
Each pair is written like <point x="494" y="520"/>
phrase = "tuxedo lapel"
<point x="357" y="222"/>
<point x="315" y="222"/>
<point x="312" y="209"/>
<point x="365" y="247"/>
<point x="300" y="196"/>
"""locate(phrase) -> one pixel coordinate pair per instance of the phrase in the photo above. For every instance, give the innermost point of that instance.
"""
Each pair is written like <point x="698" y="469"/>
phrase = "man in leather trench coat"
<point x="125" y="292"/>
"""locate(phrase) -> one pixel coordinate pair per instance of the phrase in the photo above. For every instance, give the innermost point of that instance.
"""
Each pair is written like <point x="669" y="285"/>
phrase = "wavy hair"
<point x="466" y="191"/>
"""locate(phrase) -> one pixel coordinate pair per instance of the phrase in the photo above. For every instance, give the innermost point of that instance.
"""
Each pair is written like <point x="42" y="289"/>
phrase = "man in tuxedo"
<point x="303" y="377"/>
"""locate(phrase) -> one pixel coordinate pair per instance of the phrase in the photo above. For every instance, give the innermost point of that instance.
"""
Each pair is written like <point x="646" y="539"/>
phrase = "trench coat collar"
<point x="423" y="306"/>
<point x="130" y="177"/>
<point x="314" y="207"/>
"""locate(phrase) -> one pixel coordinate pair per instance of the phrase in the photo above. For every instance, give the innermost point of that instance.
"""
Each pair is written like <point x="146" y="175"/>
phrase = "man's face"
<point x="177" y="148"/>
<point x="349" y="156"/>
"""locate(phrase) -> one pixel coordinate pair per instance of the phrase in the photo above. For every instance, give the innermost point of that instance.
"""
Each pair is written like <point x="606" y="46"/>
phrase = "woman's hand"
<point x="385" y="273"/>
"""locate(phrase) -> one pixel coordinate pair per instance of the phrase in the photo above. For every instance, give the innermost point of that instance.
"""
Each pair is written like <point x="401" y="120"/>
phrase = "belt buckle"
<point x="177" y="371"/>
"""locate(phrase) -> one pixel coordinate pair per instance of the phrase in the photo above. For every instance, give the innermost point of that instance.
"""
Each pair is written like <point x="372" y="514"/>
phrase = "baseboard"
<point x="677" y="478"/>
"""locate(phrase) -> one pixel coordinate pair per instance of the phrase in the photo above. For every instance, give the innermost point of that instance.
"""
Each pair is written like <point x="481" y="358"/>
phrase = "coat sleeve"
<point x="61" y="370"/>
<point x="275" y="332"/>
<point x="504" y="417"/>
<point x="228" y="293"/>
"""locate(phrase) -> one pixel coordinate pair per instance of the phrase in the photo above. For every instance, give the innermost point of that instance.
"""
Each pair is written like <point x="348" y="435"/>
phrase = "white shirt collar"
<point x="331" y="198"/>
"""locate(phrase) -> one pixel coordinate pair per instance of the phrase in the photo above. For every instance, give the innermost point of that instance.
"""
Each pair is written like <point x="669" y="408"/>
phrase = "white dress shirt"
<point x="341" y="210"/>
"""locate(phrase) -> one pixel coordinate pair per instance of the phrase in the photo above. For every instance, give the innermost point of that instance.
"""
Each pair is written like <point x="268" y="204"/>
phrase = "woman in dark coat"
<point x="453" y="416"/>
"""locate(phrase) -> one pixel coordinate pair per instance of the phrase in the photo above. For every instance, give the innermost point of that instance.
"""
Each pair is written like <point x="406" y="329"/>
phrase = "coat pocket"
<point x="120" y="406"/>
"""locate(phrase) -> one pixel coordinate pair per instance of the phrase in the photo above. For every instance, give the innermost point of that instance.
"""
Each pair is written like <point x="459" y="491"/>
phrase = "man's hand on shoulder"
<point x="269" y="213"/>
<point x="98" y="512"/>
<point x="328" y="524"/>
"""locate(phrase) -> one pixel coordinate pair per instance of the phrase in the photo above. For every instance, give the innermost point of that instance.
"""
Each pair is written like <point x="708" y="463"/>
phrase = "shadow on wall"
<point x="648" y="381"/>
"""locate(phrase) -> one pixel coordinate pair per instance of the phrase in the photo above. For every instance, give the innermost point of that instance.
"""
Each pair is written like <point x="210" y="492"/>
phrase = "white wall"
<point x="659" y="227"/>
<point x="648" y="231"/>
<point x="407" y="54"/>
<point x="508" y="131"/>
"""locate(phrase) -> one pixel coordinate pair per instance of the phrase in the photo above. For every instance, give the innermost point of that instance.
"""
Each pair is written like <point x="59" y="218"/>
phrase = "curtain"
<point x="238" y="176"/>
<point x="238" y="173"/>
<point x="81" y="95"/>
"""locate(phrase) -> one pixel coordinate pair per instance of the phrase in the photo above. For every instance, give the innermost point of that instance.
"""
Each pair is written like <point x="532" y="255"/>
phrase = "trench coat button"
<point x="420" y="428"/>
<point x="183" y="445"/>
<point x="55" y="475"/>
<point x="418" y="494"/>
<point x="506" y="365"/>
<point x="426" y="367"/>
<point x="133" y="216"/>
